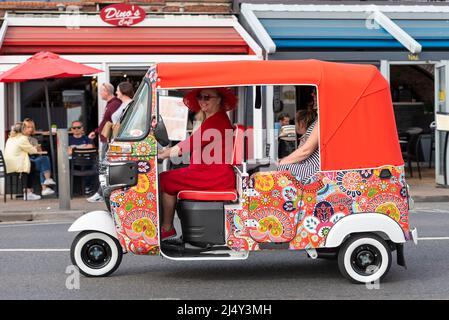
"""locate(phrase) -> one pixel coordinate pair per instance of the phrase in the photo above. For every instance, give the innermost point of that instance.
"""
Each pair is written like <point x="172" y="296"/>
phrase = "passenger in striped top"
<point x="305" y="160"/>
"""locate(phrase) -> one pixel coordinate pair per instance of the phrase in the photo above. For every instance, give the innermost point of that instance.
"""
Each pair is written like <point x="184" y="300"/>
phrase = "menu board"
<point x="175" y="115"/>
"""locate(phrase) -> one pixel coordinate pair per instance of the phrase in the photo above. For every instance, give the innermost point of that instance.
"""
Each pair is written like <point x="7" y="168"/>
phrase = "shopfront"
<point x="123" y="53"/>
<point x="409" y="44"/>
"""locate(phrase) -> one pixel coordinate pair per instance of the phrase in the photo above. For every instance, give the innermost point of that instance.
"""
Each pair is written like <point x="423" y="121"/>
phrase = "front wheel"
<point x="364" y="258"/>
<point x="96" y="254"/>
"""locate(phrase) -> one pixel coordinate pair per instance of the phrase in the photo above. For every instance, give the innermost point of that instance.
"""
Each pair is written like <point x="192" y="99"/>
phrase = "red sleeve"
<point x="196" y="136"/>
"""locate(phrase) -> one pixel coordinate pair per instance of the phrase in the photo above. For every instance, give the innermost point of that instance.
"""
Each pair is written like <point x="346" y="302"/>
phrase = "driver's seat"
<point x="225" y="194"/>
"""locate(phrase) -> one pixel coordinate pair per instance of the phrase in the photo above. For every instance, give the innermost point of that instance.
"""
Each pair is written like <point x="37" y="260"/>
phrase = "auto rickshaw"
<point x="355" y="209"/>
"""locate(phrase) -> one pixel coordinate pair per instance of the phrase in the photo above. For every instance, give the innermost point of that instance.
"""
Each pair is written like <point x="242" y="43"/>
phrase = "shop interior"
<point x="413" y="95"/>
<point x="287" y="101"/>
<point x="134" y="76"/>
<point x="70" y="99"/>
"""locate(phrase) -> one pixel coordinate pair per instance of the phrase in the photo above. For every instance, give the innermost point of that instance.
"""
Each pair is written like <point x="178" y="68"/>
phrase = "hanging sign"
<point x="122" y="14"/>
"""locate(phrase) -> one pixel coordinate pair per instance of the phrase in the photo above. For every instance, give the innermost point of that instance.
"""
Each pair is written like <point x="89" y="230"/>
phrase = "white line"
<point x="433" y="238"/>
<point x="34" y="250"/>
<point x="30" y="224"/>
<point x="426" y="210"/>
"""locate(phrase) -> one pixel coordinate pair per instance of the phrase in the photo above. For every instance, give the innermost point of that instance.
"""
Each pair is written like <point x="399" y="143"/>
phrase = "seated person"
<point x="305" y="160"/>
<point x="201" y="174"/>
<point x="78" y="139"/>
<point x="283" y="120"/>
<point x="17" y="151"/>
<point x="40" y="162"/>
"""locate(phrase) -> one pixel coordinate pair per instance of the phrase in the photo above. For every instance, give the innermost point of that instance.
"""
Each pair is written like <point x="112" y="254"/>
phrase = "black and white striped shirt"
<point x="307" y="167"/>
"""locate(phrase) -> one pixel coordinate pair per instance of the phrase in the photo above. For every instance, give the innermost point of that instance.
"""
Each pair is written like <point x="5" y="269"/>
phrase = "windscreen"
<point x="135" y="123"/>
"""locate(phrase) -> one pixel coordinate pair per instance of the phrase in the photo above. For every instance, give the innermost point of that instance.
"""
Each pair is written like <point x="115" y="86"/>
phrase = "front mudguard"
<point x="99" y="220"/>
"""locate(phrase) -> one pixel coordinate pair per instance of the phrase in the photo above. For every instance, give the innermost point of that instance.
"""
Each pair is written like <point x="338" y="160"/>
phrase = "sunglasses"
<point x="77" y="127"/>
<point x="205" y="97"/>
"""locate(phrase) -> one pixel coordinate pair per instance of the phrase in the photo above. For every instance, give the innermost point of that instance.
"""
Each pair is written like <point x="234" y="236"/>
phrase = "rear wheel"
<point x="96" y="254"/>
<point x="364" y="258"/>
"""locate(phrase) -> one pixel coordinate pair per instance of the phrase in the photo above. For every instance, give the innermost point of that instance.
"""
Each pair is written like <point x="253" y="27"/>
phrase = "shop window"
<point x="287" y="101"/>
<point x="412" y="92"/>
<point x="70" y="99"/>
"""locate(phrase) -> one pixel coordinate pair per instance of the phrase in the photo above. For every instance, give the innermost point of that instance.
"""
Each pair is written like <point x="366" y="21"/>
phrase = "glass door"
<point x="442" y="122"/>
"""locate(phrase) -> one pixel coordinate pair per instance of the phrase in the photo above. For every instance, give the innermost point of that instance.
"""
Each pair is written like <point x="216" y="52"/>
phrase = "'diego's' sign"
<point x="122" y="14"/>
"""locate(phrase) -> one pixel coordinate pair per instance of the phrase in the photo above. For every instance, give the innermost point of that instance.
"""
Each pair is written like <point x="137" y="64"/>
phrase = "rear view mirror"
<point x="160" y="133"/>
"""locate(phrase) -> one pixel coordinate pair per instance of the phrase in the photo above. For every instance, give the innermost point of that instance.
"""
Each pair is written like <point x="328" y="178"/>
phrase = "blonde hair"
<point x="28" y="121"/>
<point x="16" y="130"/>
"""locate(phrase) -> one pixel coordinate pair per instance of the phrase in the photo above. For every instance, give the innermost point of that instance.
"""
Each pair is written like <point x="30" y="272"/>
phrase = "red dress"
<point x="210" y="166"/>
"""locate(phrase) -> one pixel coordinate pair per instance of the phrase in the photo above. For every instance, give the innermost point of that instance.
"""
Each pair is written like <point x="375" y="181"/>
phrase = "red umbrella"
<point x="45" y="65"/>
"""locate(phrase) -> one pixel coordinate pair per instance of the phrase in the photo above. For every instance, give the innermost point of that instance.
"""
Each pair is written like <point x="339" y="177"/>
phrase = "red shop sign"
<point x="122" y="14"/>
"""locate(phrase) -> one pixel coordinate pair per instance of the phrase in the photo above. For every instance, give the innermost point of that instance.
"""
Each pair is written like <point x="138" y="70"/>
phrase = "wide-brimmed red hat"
<point x="228" y="99"/>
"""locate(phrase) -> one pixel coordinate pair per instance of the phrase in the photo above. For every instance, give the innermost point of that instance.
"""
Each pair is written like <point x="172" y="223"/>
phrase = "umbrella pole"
<point x="52" y="149"/>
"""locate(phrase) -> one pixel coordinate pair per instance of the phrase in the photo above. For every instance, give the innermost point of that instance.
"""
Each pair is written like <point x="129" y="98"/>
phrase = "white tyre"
<point x="364" y="258"/>
<point x="96" y="254"/>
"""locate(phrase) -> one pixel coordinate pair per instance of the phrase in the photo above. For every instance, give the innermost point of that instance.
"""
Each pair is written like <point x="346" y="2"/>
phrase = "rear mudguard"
<point x="378" y="223"/>
<point x="95" y="221"/>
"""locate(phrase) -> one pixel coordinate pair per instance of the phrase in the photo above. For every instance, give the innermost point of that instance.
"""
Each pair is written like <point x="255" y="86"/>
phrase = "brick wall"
<point x="163" y="6"/>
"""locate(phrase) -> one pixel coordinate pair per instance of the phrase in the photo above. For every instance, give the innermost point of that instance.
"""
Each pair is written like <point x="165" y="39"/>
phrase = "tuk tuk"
<point x="355" y="209"/>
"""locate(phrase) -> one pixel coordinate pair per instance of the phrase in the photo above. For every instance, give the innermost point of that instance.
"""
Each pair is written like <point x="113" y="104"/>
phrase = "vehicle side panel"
<point x="277" y="208"/>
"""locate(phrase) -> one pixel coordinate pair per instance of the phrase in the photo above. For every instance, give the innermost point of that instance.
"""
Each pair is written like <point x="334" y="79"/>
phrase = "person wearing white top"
<point x="125" y="92"/>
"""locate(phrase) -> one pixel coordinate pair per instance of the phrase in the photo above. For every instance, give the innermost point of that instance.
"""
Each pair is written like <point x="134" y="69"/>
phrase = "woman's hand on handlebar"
<point x="163" y="154"/>
<point x="168" y="153"/>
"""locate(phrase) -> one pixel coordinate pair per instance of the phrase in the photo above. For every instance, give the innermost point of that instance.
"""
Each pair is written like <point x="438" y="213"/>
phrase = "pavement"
<point x="425" y="189"/>
<point x="47" y="209"/>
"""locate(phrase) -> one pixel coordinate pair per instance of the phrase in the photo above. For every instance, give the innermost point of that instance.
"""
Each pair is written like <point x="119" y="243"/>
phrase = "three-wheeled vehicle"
<point x="354" y="209"/>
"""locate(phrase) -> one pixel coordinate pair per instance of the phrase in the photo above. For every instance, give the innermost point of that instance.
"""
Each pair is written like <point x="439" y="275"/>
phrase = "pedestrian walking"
<point x="113" y="103"/>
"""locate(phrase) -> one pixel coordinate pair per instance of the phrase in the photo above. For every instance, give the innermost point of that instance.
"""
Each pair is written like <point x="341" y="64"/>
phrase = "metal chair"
<point x="83" y="164"/>
<point x="20" y="176"/>
<point x="413" y="152"/>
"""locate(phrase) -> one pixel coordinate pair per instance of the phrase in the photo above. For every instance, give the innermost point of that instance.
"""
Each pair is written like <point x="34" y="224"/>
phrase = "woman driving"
<point x="304" y="161"/>
<point x="208" y="168"/>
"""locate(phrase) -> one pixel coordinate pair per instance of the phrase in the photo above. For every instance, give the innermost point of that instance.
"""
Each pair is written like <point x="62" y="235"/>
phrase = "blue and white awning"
<point x="287" y="27"/>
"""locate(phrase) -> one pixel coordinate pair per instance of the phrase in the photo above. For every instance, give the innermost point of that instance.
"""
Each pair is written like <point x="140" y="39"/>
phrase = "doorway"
<point x="412" y="88"/>
<point x="131" y="75"/>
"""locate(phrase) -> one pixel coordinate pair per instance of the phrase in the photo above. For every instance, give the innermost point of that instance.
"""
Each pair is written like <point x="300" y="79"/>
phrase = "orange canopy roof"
<point x="356" y="119"/>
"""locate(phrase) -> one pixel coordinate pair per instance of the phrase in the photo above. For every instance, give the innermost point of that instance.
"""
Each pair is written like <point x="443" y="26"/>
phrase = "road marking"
<point x="34" y="250"/>
<point x="429" y="210"/>
<point x="433" y="238"/>
<point x="20" y="224"/>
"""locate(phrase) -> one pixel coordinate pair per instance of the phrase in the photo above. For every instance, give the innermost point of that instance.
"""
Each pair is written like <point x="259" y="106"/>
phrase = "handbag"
<point x="115" y="129"/>
<point x="107" y="130"/>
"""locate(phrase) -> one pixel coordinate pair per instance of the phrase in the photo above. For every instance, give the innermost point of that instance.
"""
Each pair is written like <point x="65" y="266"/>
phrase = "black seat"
<point x="83" y="164"/>
<point x="21" y="177"/>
